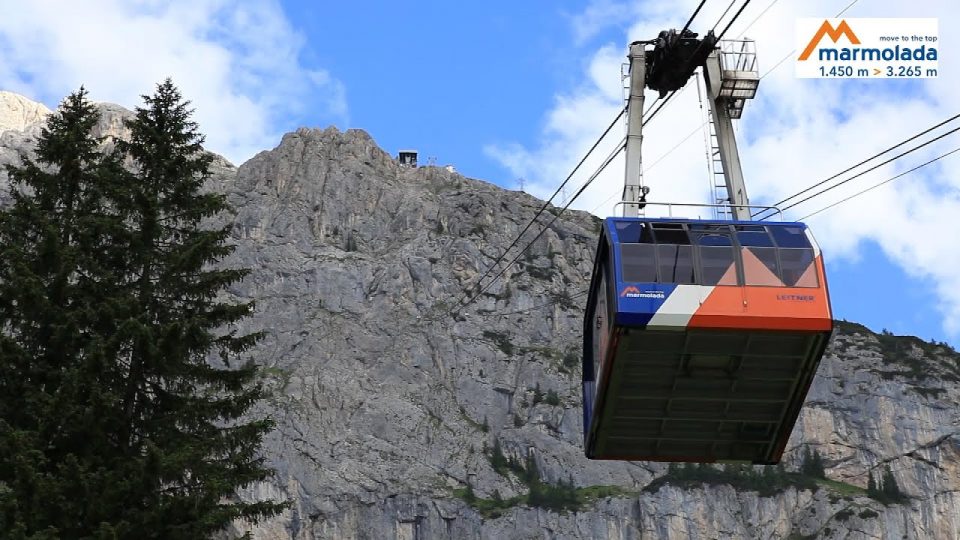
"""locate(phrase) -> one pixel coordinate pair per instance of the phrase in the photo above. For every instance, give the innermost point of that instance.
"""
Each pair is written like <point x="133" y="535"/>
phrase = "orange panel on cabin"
<point x="761" y="323"/>
<point x="768" y="308"/>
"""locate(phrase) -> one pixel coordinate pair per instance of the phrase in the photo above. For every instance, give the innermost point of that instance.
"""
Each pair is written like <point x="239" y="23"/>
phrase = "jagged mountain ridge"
<point x="385" y="400"/>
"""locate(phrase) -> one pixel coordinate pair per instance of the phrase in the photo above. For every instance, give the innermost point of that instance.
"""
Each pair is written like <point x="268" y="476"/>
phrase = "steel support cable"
<point x="661" y="104"/>
<point x="717" y="40"/>
<point x="674" y="147"/>
<point x="665" y="101"/>
<point x="848" y="169"/>
<point x="722" y="15"/>
<point x="620" y="147"/>
<point x="644" y="118"/>
<point x="545" y="204"/>
<point x="784" y="59"/>
<point x="757" y="18"/>
<point x="649" y="106"/>
<point x="697" y="50"/>
<point x="875" y="167"/>
<point x="655" y="111"/>
<point x="888" y="180"/>
<point x="685" y="27"/>
<point x="658" y="160"/>
<point x="690" y="20"/>
<point x="603" y="166"/>
<point x="775" y="66"/>
<point x="733" y="20"/>
<point x="538" y="306"/>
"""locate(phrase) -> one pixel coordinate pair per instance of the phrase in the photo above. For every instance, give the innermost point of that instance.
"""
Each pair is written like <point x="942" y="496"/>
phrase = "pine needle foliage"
<point x="767" y="481"/>
<point x="885" y="488"/>
<point x="58" y="379"/>
<point x="812" y="464"/>
<point x="123" y="409"/>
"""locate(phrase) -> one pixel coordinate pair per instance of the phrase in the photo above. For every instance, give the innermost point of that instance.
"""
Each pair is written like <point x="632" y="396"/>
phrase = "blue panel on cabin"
<point x="638" y="302"/>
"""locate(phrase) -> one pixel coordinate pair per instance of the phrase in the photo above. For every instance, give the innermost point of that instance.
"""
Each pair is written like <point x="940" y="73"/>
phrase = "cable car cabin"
<point x="701" y="339"/>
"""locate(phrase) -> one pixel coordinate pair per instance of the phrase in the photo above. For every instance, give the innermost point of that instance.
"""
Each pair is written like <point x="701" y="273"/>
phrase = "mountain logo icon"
<point x="826" y="29"/>
<point x="630" y="291"/>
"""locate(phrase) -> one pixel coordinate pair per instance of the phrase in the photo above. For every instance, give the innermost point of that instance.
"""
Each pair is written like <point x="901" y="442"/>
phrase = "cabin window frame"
<point x="729" y="230"/>
<point x="808" y="247"/>
<point x="724" y="229"/>
<point x="667" y="226"/>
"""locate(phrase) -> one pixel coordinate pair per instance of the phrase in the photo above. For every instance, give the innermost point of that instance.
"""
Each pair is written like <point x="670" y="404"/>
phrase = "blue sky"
<point x="443" y="77"/>
<point x="504" y="90"/>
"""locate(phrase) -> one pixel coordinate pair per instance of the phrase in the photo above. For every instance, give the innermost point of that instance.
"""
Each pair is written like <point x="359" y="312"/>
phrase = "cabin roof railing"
<point x="670" y="206"/>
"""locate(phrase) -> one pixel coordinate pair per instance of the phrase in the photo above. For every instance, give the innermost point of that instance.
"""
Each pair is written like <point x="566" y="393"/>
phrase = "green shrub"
<point x="501" y="340"/>
<point x="767" y="480"/>
<point x="843" y="515"/>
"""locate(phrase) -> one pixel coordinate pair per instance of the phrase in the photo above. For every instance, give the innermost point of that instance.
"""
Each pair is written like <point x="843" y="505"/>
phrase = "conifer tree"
<point x="872" y="490"/>
<point x="58" y="469"/>
<point x="817" y="467"/>
<point x="532" y="475"/>
<point x="115" y="418"/>
<point x="571" y="500"/>
<point x="182" y="408"/>
<point x="537" y="394"/>
<point x="889" y="487"/>
<point x="498" y="460"/>
<point x="806" y="465"/>
<point x="769" y="476"/>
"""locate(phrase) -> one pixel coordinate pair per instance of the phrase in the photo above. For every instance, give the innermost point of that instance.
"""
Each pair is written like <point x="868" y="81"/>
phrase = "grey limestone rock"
<point x="389" y="395"/>
<point x="17" y="113"/>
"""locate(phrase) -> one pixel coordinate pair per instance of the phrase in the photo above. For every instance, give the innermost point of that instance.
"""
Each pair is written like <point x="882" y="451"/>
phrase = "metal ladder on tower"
<point x="716" y="180"/>
<point x="731" y="78"/>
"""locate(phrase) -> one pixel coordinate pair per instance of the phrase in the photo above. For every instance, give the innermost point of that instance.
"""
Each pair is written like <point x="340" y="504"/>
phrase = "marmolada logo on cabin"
<point x="867" y="48"/>
<point x="632" y="292"/>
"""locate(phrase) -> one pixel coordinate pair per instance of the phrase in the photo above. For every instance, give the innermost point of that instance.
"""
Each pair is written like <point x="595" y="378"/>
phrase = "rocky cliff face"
<point x="18" y="113"/>
<point x="389" y="401"/>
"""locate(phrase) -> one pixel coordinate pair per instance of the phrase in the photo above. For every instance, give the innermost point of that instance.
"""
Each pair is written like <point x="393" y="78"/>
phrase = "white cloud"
<point x="237" y="62"/>
<point x="598" y="16"/>
<point x="796" y="133"/>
